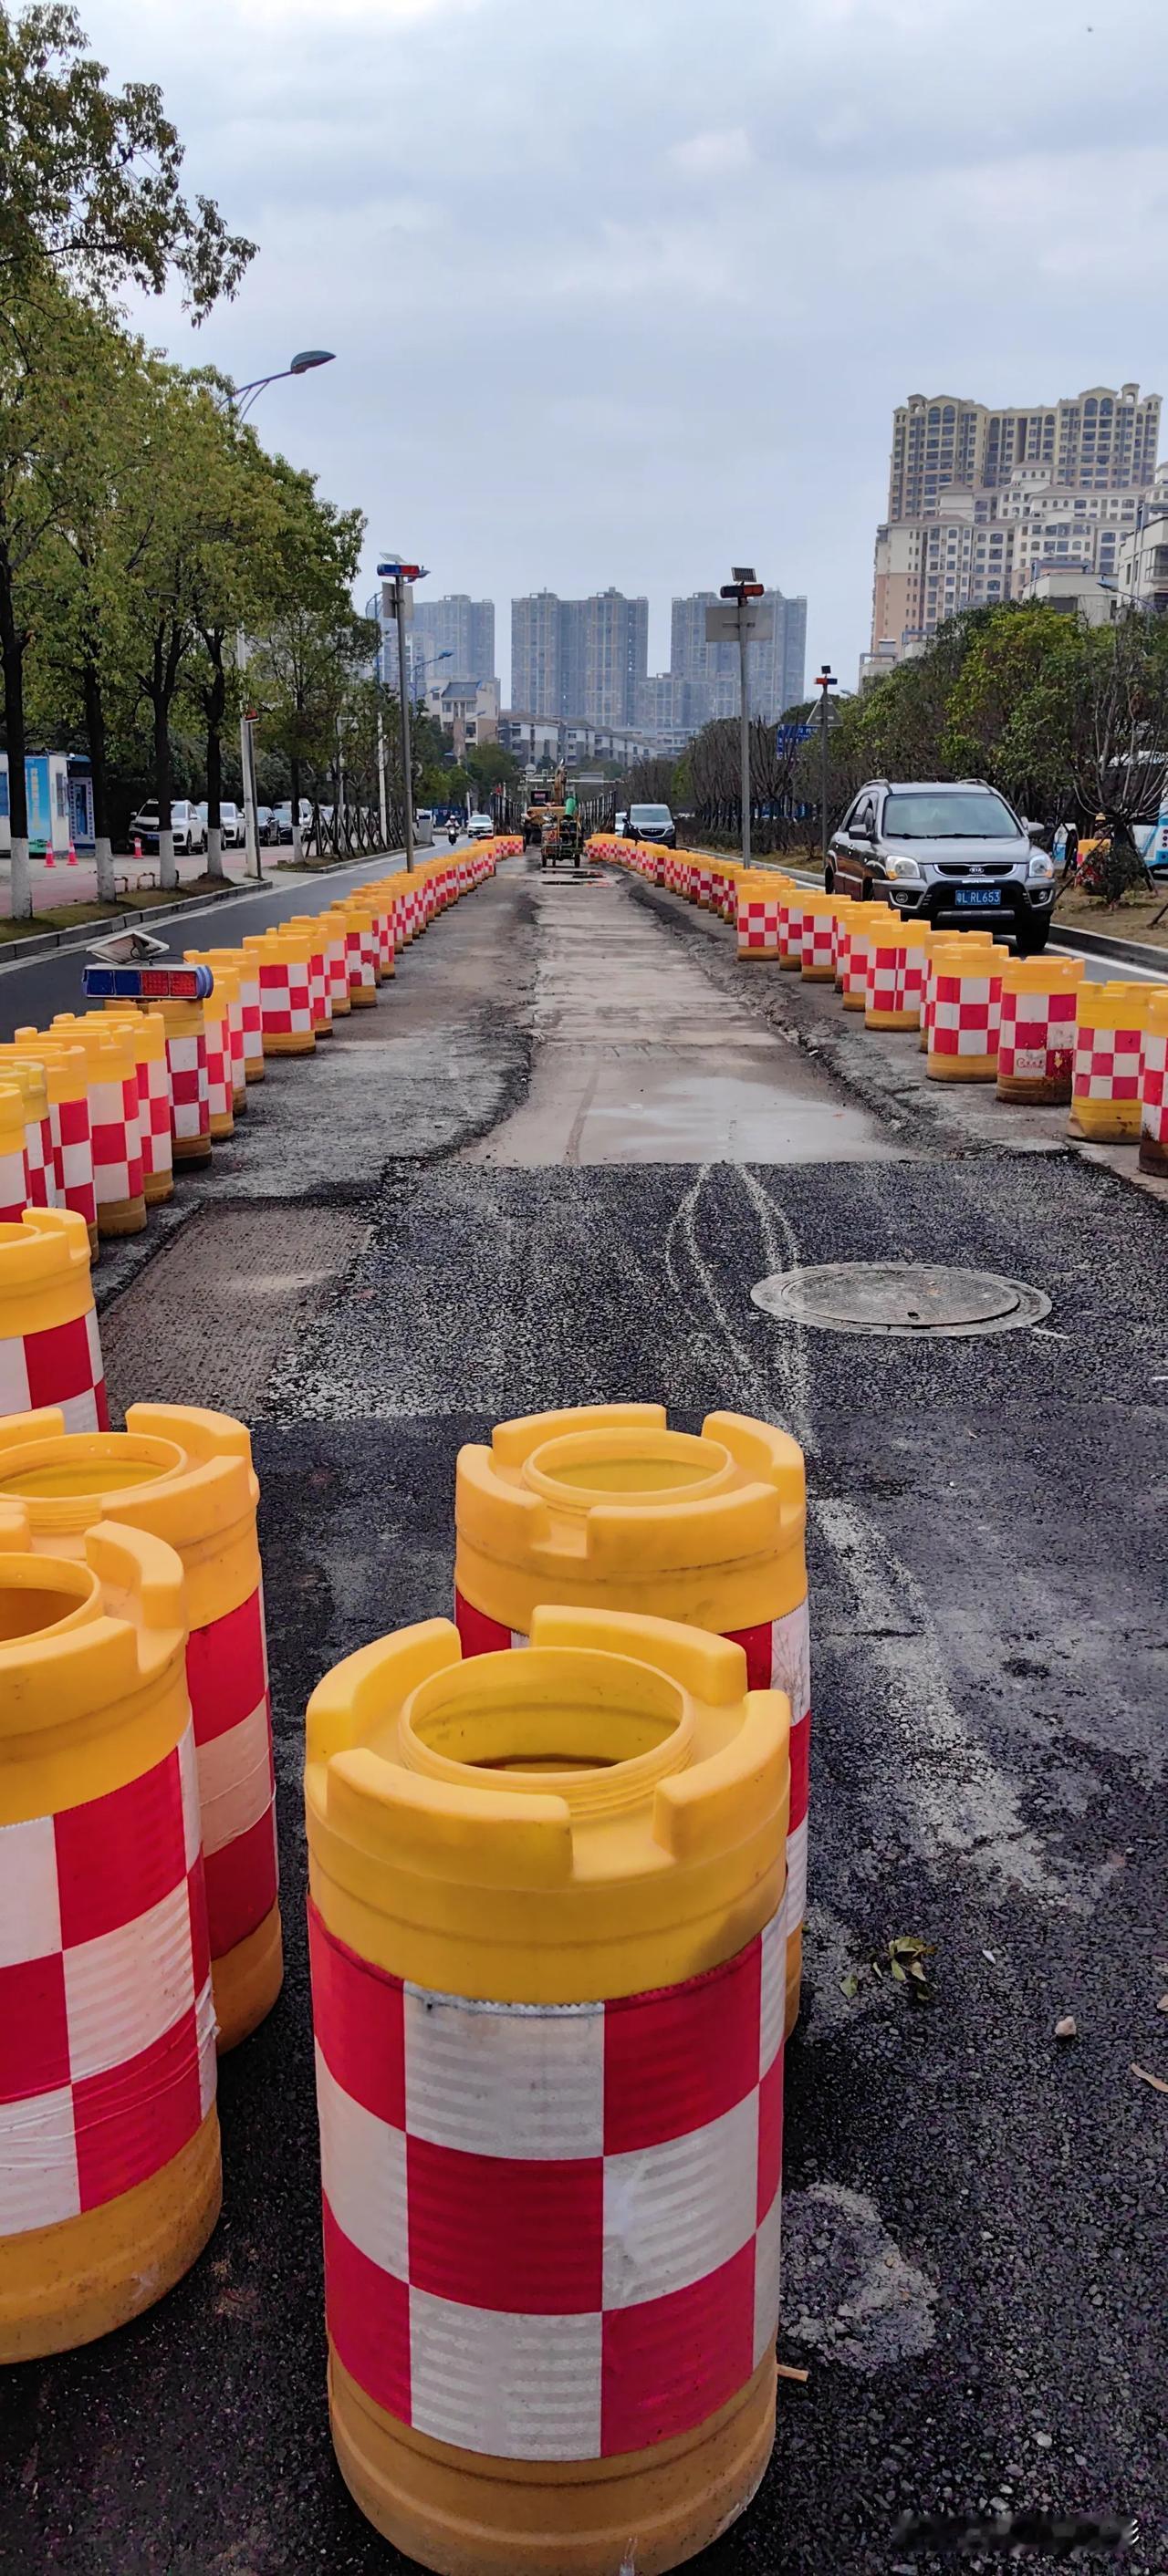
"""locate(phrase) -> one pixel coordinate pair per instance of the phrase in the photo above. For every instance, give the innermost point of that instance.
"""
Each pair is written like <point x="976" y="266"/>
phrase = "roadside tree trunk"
<point x="12" y="642"/>
<point x="159" y="685"/>
<point x="294" y="766"/>
<point x="214" y="703"/>
<point x="95" y="736"/>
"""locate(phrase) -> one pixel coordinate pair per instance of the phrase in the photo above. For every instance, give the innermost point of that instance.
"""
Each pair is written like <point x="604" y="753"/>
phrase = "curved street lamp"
<point x="301" y="365"/>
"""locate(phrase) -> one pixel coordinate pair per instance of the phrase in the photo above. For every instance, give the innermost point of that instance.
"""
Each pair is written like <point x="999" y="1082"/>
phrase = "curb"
<point x="80" y="934"/>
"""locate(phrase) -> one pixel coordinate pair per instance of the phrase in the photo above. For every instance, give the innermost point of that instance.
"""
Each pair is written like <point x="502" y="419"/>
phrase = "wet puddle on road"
<point x="640" y="1059"/>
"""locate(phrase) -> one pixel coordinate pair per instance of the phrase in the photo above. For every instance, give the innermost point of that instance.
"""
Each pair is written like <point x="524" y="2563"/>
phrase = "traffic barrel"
<point x="285" y="992"/>
<point x="242" y="964"/>
<point x="1036" y="1053"/>
<point x="109" y="2143"/>
<point x="67" y="1079"/>
<point x="897" y="952"/>
<point x="186" y="1476"/>
<point x="50" y="1347"/>
<point x="966" y="1006"/>
<point x="791" y="929"/>
<point x="225" y="1004"/>
<point x="357" y="931"/>
<point x="380" y="902"/>
<point x="220" y="1088"/>
<point x="146" y="1031"/>
<point x="28" y="1074"/>
<point x="866" y="921"/>
<point x="186" y="1064"/>
<point x="968" y="943"/>
<point x="1109" y="1043"/>
<point x="759" y="915"/>
<point x="817" y="951"/>
<point x="115" y="1120"/>
<point x="606" y="1507"/>
<point x="1154" y="1086"/>
<point x="546" y="1935"/>
<point x="312" y="931"/>
<point x="336" y="965"/>
<point x="841" y="938"/>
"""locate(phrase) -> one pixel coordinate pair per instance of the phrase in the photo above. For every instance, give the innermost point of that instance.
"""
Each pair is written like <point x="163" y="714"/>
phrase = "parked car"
<point x="232" y="824"/>
<point x="947" y="851"/>
<point x="186" y="823"/>
<point x="266" y="823"/>
<point x="651" y="823"/>
<point x="282" y="818"/>
<point x="480" y="828"/>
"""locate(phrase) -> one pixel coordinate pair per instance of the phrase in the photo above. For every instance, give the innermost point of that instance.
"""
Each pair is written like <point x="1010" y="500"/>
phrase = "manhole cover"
<point x="903" y="1297"/>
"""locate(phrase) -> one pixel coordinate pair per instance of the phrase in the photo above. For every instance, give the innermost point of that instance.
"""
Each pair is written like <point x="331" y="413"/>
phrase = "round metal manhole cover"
<point x="900" y="1297"/>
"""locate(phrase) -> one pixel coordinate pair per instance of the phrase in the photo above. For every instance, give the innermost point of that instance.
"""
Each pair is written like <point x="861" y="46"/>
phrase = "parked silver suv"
<point x="949" y="851"/>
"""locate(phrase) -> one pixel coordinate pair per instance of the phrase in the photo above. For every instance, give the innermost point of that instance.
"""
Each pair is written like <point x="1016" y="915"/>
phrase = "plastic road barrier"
<point x="759" y="914"/>
<point x="1036" y="1054"/>
<point x="1109" y="1044"/>
<point x="966" y="1007"/>
<point x="285" y="965"/>
<point x="241" y="963"/>
<point x="28" y="1074"/>
<point x="109" y="2143"/>
<point x="357" y="934"/>
<point x="115" y="1121"/>
<point x="791" y="930"/>
<point x="186" y="1476"/>
<point x="897" y="951"/>
<point x="845" y="907"/>
<point x="336" y="966"/>
<point x="867" y="920"/>
<point x="817" y="956"/>
<point x="313" y="933"/>
<point x="190" y="1099"/>
<point x="1154" y="1086"/>
<point x="969" y="943"/>
<point x="606" y="1507"/>
<point x="223" y="1016"/>
<point x="546" y="1926"/>
<point x="67" y="1079"/>
<point x="146" y="1031"/>
<point x="50" y="1348"/>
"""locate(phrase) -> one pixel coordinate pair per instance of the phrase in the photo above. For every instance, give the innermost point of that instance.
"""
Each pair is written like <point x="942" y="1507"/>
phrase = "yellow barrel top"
<point x="86" y="1649"/>
<point x="28" y="1073"/>
<point x="183" y="1475"/>
<point x="1041" y="974"/>
<point x="610" y="1492"/>
<point x="64" y="1063"/>
<point x="144" y="1026"/>
<point x="44" y="1268"/>
<point x="1117" y="1005"/>
<point x="109" y="1051"/>
<point x="1156" y="1016"/>
<point x="603" y="1814"/>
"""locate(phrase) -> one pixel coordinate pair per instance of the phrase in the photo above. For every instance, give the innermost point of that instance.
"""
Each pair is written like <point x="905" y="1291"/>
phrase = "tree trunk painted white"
<point x="21" y="882"/>
<point x="106" y="887"/>
<point x="167" y="866"/>
<point x="214" y="850"/>
<point x="295" y="838"/>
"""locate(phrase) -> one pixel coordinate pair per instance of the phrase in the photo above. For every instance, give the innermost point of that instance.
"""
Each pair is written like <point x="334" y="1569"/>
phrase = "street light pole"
<point x="400" y="575"/>
<point x="824" y="680"/>
<point x="744" y="711"/>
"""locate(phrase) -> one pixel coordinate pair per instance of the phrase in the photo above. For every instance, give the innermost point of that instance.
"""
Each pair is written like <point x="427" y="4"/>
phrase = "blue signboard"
<point x="789" y="736"/>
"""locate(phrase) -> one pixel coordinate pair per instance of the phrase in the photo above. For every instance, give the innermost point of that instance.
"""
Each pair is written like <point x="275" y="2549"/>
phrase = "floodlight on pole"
<point x="400" y="574"/>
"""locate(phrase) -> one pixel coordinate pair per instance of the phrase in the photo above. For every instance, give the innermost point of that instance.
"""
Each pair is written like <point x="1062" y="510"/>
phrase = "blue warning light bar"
<point x="147" y="983"/>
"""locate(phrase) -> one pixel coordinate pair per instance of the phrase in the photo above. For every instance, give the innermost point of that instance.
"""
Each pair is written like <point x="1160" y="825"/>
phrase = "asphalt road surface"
<point x="548" y="1170"/>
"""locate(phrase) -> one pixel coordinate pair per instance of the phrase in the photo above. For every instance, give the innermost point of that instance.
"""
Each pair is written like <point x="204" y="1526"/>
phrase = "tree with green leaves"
<point x="90" y="203"/>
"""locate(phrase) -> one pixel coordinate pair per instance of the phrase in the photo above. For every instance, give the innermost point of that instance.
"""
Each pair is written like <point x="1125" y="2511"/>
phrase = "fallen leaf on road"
<point x="1067" y="2028"/>
<point x="1162" y="2006"/>
<point x="1156" y="2081"/>
<point x="785" y="2371"/>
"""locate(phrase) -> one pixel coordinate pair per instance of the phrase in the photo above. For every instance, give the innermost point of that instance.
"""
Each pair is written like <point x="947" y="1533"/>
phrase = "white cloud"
<point x="718" y="154"/>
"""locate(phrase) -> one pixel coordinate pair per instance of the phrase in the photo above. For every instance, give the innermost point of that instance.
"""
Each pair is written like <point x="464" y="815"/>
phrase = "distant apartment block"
<point x="581" y="658"/>
<point x="981" y="502"/>
<point x="454" y="638"/>
<point x="775" y="670"/>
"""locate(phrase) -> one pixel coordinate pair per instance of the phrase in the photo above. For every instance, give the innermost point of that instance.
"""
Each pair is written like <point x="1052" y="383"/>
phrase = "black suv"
<point x="949" y="851"/>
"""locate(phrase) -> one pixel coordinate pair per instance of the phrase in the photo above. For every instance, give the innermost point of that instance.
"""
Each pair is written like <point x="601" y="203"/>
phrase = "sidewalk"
<point x="57" y="883"/>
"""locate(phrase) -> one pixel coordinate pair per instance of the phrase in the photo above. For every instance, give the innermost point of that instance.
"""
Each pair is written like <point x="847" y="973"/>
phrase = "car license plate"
<point x="978" y="894"/>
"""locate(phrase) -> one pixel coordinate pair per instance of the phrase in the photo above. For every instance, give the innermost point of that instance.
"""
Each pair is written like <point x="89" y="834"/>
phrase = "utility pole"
<point x="750" y="624"/>
<point x="399" y="576"/>
<point x="383" y="807"/>
<point x="824" y="680"/>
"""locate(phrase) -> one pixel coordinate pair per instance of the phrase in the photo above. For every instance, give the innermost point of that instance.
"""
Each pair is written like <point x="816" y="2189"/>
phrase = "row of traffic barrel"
<point x="1034" y="1026"/>
<point x="555" y="1933"/>
<point x="101" y="1110"/>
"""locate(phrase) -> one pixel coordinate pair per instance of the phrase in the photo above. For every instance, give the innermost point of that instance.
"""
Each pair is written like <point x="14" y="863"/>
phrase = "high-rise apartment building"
<point x="460" y="628"/>
<point x="579" y="658"/>
<point x="775" y="670"/>
<point x="980" y="501"/>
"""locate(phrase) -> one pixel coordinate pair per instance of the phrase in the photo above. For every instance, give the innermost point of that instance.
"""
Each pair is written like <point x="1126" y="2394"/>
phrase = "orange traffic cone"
<point x="49" y="860"/>
<point x="71" y="861"/>
<point x="137" y="849"/>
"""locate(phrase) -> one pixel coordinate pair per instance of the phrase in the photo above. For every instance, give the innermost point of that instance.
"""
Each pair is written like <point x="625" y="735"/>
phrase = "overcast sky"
<point x="626" y="292"/>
